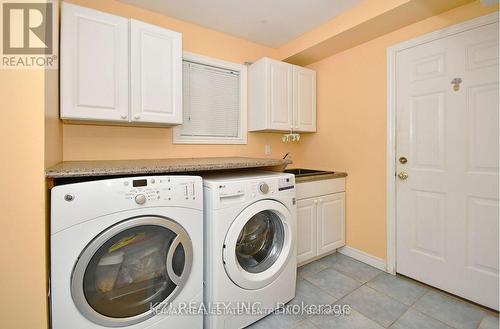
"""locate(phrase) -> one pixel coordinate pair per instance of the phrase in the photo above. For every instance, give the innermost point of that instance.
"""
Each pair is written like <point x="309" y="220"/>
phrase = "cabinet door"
<point x="304" y="105"/>
<point x="306" y="230"/>
<point x="156" y="74"/>
<point x="331" y="222"/>
<point x="94" y="65"/>
<point x="280" y="95"/>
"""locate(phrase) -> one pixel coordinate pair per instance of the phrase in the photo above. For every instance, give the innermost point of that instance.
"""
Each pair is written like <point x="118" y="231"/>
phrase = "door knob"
<point x="403" y="175"/>
<point x="456" y="84"/>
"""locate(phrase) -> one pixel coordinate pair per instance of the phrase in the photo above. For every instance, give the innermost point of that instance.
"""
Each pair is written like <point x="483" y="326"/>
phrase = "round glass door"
<point x="136" y="264"/>
<point x="258" y="244"/>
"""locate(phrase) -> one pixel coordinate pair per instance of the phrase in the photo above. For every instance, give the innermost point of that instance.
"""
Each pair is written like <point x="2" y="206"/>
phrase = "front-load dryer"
<point x="250" y="250"/>
<point x="127" y="253"/>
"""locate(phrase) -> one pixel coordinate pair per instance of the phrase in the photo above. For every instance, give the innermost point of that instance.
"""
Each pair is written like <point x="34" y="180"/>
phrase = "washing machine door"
<point x="136" y="264"/>
<point x="258" y="244"/>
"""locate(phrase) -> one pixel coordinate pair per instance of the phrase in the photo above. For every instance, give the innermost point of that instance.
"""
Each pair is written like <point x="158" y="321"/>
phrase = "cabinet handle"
<point x="315" y="201"/>
<point x="137" y="116"/>
<point x="123" y="117"/>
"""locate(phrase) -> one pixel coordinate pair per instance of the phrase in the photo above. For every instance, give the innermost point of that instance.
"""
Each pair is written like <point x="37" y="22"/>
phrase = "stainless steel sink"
<point x="301" y="172"/>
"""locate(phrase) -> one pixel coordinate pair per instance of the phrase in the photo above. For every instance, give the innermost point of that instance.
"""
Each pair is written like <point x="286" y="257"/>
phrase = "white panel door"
<point x="306" y="230"/>
<point x="331" y="222"/>
<point x="94" y="65"/>
<point x="304" y="104"/>
<point x="280" y="95"/>
<point x="156" y="74"/>
<point x="447" y="207"/>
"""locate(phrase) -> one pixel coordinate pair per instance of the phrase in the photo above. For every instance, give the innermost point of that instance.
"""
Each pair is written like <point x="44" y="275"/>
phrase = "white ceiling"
<point x="268" y="22"/>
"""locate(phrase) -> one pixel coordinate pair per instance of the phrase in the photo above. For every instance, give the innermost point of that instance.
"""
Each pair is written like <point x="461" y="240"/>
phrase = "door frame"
<point x="391" y="119"/>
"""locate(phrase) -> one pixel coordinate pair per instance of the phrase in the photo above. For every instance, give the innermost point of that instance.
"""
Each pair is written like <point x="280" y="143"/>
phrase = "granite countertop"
<point x="69" y="169"/>
<point x="327" y="175"/>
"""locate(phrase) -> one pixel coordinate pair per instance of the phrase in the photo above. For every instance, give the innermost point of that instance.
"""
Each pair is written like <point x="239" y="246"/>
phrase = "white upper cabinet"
<point x="304" y="102"/>
<point x="282" y="97"/>
<point x="94" y="65"/>
<point x="156" y="74"/>
<point x="99" y="52"/>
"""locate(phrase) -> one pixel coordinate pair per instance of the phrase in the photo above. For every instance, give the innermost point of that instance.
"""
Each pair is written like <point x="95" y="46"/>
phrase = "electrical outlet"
<point x="267" y="150"/>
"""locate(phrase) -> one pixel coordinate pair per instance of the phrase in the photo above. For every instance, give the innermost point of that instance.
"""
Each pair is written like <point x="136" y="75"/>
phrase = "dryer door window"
<point x="136" y="264"/>
<point x="259" y="244"/>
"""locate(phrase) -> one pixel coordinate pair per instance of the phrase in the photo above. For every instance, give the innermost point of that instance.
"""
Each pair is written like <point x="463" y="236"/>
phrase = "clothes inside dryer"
<point x="128" y="272"/>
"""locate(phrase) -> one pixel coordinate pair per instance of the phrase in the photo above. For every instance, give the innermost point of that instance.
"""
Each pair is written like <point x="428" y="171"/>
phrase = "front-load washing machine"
<point x="250" y="233"/>
<point x="127" y="252"/>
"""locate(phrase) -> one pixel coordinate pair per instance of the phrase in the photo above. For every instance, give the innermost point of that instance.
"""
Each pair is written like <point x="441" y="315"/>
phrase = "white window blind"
<point x="211" y="101"/>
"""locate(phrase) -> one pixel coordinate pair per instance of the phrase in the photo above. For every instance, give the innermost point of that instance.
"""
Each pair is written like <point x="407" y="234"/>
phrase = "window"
<point x="214" y="102"/>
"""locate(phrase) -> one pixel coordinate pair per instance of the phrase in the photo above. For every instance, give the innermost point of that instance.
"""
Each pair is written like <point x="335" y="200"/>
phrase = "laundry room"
<point x="241" y="164"/>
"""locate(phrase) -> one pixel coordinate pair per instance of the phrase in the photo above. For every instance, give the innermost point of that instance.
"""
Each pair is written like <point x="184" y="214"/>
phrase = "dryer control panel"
<point x="101" y="197"/>
<point x="160" y="189"/>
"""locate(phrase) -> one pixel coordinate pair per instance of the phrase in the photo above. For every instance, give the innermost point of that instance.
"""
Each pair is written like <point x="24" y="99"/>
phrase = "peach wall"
<point x="31" y="139"/>
<point x="23" y="242"/>
<point x="53" y="125"/>
<point x="351" y="137"/>
<point x="83" y="142"/>
<point x="352" y="125"/>
<point x="101" y="142"/>
<point x="361" y="13"/>
<point x="367" y="22"/>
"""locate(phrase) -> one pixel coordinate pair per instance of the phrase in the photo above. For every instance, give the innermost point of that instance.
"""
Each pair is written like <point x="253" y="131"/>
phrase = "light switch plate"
<point x="267" y="149"/>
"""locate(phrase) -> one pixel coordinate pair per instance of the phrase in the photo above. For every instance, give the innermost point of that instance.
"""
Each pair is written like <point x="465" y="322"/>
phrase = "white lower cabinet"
<point x="306" y="229"/>
<point x="331" y="223"/>
<point x="320" y="222"/>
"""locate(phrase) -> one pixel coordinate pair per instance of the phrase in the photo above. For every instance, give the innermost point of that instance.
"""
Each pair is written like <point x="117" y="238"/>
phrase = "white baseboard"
<point x="364" y="257"/>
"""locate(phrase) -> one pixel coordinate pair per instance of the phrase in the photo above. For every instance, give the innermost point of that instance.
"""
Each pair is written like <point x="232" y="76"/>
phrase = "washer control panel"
<point x="263" y="188"/>
<point x="286" y="183"/>
<point x="234" y="192"/>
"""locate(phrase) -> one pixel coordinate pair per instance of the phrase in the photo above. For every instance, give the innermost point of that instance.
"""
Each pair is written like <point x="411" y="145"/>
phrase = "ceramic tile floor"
<point x="377" y="300"/>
